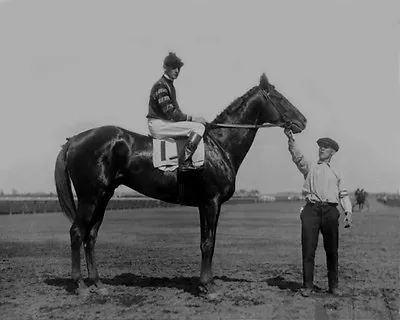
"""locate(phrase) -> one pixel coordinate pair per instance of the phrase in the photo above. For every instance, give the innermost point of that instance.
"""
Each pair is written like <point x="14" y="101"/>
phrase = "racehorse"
<point x="360" y="199"/>
<point x="98" y="160"/>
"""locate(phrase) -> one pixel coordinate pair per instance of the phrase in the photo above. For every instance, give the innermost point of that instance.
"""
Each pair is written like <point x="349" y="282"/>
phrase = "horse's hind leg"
<point x="90" y="257"/>
<point x="90" y="242"/>
<point x="77" y="233"/>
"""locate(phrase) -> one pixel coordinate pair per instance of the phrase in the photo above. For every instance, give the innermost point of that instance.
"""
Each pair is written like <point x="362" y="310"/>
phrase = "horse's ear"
<point x="264" y="81"/>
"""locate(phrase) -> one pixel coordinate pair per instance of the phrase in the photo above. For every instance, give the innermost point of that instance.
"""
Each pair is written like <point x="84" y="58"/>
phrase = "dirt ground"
<point x="149" y="261"/>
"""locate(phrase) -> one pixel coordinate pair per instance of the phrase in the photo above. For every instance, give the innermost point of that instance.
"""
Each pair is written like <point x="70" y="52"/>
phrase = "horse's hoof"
<point x="203" y="290"/>
<point x="83" y="292"/>
<point x="213" y="297"/>
<point x="209" y="292"/>
<point x="102" y="291"/>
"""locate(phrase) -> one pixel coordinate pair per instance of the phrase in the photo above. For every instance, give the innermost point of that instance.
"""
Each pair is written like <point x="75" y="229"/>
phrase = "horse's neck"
<point x="236" y="142"/>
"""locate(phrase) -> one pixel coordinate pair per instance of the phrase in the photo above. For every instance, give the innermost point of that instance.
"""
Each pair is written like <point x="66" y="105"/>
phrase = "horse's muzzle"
<point x="295" y="128"/>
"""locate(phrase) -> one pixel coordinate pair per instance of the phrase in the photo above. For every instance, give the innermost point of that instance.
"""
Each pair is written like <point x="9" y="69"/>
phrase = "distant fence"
<point x="44" y="205"/>
<point x="391" y="201"/>
<point x="52" y="205"/>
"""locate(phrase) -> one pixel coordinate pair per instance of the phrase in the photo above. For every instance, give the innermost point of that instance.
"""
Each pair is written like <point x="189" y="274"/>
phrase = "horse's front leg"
<point x="209" y="214"/>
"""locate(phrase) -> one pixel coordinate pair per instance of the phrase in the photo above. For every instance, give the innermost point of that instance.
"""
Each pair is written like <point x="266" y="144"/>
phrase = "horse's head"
<point x="278" y="110"/>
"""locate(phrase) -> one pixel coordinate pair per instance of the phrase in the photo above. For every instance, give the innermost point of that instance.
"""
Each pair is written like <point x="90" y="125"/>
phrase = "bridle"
<point x="286" y="123"/>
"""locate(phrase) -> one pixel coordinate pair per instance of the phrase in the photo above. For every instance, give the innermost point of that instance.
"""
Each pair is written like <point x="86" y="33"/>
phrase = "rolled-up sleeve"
<point x="298" y="158"/>
<point x="168" y="106"/>
<point x="343" y="196"/>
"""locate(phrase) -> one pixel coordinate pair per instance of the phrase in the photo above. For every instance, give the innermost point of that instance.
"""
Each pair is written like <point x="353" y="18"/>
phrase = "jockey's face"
<point x="173" y="73"/>
<point x="325" y="153"/>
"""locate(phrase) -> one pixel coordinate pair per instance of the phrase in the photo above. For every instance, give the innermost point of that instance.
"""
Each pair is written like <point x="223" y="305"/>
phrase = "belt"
<point x="321" y="203"/>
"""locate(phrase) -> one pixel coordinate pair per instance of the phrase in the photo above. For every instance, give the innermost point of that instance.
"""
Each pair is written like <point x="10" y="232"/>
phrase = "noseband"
<point x="283" y="113"/>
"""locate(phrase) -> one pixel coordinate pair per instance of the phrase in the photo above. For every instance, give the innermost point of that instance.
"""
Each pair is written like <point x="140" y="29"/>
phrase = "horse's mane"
<point x="235" y="105"/>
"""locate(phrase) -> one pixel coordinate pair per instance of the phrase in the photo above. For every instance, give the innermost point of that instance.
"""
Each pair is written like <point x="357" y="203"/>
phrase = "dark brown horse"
<point x="99" y="160"/>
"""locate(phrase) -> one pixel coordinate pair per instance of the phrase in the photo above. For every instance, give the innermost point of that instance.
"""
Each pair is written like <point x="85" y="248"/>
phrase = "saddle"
<point x="168" y="154"/>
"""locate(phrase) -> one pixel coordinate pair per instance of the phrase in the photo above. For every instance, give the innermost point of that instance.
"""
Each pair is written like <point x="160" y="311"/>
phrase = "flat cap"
<point x="328" y="143"/>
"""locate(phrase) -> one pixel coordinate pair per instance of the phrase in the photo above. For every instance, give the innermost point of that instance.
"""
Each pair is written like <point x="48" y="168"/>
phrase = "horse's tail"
<point x="63" y="184"/>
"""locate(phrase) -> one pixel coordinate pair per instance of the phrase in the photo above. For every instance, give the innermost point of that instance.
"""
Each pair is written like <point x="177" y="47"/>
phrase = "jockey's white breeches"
<point x="162" y="129"/>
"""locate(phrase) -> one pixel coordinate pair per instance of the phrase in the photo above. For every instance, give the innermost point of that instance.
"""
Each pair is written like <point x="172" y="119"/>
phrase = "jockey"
<point x="165" y="118"/>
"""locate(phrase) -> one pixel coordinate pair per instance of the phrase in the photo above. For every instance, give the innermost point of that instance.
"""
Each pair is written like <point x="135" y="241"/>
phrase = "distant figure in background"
<point x="323" y="189"/>
<point x="360" y="196"/>
<point x="165" y="118"/>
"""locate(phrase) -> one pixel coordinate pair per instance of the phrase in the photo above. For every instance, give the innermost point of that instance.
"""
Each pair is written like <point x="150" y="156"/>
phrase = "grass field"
<point x="150" y="260"/>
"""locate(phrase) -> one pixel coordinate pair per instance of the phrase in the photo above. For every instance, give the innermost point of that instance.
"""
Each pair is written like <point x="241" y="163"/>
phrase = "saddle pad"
<point x="165" y="154"/>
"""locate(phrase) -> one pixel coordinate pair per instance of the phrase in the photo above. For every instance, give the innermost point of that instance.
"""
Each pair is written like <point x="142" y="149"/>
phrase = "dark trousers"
<point x="324" y="218"/>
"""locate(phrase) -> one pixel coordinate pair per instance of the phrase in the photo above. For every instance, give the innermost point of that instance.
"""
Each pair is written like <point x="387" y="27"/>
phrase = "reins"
<point x="242" y="126"/>
<point x="266" y="95"/>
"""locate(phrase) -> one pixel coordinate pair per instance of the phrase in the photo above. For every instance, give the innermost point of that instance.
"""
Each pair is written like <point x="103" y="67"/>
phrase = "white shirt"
<point x="322" y="182"/>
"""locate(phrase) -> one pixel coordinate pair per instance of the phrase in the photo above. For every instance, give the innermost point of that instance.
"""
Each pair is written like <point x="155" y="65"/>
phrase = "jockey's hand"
<point x="348" y="220"/>
<point x="200" y="120"/>
<point x="288" y="134"/>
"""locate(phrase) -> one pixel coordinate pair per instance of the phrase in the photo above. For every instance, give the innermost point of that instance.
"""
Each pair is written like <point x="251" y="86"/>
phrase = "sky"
<point x="67" y="66"/>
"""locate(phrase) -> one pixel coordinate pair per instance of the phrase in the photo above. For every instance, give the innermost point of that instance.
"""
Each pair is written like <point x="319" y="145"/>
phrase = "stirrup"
<point x="187" y="167"/>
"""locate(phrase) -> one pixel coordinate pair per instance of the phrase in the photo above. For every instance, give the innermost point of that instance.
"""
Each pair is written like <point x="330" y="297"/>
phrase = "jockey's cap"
<point x="328" y="143"/>
<point x="173" y="61"/>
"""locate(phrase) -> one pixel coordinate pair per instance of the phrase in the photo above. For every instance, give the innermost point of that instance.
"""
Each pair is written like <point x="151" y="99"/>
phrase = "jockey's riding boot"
<point x="191" y="146"/>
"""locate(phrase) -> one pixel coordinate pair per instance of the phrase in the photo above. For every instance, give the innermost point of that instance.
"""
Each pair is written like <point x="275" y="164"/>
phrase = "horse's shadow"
<point x="283" y="284"/>
<point x="67" y="283"/>
<point x="187" y="284"/>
